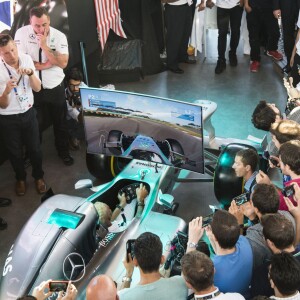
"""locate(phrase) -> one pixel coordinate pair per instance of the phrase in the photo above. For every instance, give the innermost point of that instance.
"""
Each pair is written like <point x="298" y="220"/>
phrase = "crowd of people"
<point x="227" y="274"/>
<point x="264" y="19"/>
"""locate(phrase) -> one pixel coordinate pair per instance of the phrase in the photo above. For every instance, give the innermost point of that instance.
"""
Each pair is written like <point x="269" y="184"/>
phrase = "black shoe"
<point x="4" y="202"/>
<point x="176" y="70"/>
<point x="67" y="159"/>
<point x="232" y="59"/>
<point x="221" y="66"/>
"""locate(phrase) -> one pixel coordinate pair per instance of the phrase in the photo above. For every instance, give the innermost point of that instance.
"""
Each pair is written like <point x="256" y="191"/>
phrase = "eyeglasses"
<point x="4" y="39"/>
<point x="74" y="85"/>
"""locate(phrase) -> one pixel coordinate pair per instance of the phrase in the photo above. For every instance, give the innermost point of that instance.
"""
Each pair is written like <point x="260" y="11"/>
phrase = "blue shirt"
<point x="250" y="183"/>
<point x="234" y="271"/>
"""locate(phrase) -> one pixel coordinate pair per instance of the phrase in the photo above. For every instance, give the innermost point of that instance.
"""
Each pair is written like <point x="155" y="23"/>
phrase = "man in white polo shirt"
<point x="48" y="48"/>
<point x="18" y="123"/>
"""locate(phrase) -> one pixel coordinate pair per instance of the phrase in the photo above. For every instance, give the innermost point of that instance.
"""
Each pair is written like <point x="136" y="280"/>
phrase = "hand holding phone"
<point x="42" y="290"/>
<point x="241" y="199"/>
<point x="273" y="159"/>
<point x="207" y="220"/>
<point x="288" y="191"/>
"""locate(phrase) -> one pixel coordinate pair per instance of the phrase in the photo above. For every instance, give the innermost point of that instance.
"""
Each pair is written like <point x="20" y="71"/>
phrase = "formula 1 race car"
<point x="168" y="152"/>
<point x="60" y="240"/>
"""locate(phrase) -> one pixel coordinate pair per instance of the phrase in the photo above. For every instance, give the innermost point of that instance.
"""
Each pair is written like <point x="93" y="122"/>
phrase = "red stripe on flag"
<point x="108" y="16"/>
<point x="102" y="23"/>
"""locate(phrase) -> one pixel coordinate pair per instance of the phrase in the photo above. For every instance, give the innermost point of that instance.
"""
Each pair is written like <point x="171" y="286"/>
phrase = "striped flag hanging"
<point x="108" y="16"/>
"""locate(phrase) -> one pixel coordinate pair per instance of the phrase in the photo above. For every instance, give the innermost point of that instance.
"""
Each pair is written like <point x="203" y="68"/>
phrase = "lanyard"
<point x="11" y="77"/>
<point x="213" y="295"/>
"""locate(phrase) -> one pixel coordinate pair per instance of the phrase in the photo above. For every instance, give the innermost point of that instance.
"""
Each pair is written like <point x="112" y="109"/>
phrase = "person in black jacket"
<point x="288" y="11"/>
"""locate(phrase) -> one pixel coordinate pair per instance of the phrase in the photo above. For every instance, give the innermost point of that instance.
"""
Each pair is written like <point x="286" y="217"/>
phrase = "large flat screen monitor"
<point x="143" y="127"/>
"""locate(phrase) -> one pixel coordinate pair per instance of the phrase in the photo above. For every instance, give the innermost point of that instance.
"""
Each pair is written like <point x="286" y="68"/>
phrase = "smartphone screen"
<point x="266" y="154"/>
<point x="57" y="286"/>
<point x="130" y="248"/>
<point x="288" y="191"/>
<point x="241" y="199"/>
<point x="207" y="220"/>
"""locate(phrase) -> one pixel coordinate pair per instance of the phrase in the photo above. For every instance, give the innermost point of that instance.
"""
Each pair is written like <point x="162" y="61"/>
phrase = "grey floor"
<point x="236" y="91"/>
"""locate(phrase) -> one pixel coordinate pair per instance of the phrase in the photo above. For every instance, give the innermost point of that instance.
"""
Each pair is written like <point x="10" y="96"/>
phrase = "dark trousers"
<point x="289" y="16"/>
<point x="178" y="22"/>
<point x="224" y="16"/>
<point x="75" y="129"/>
<point x="19" y="130"/>
<point x="52" y="109"/>
<point x="258" y="19"/>
<point x="295" y="73"/>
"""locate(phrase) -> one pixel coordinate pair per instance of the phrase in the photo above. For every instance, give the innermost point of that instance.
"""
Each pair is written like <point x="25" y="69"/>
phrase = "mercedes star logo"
<point x="73" y="266"/>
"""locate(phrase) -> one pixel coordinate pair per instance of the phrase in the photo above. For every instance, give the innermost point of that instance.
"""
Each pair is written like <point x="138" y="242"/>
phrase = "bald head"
<point x="101" y="287"/>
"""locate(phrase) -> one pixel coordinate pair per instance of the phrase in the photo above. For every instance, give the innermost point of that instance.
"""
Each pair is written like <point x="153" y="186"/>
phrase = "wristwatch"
<point x="126" y="279"/>
<point x="192" y="245"/>
<point x="120" y="207"/>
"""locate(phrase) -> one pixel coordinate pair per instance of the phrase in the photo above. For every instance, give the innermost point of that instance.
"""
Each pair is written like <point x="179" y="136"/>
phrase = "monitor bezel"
<point x="149" y="96"/>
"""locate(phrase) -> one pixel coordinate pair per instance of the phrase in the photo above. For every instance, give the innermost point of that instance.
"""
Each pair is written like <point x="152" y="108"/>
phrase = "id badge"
<point x="23" y="100"/>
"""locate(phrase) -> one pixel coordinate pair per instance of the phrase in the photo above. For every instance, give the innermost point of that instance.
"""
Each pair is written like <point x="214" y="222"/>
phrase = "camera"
<point x="75" y="99"/>
<point x="130" y="248"/>
<point x="288" y="191"/>
<point x="291" y="104"/>
<point x="241" y="199"/>
<point x="207" y="220"/>
<point x="272" y="160"/>
<point x="57" y="286"/>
